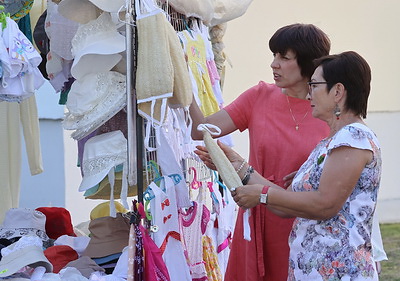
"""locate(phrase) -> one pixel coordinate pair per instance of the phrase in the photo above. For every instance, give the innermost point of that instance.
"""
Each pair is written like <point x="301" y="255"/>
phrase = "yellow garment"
<point x="195" y="50"/>
<point x="12" y="116"/>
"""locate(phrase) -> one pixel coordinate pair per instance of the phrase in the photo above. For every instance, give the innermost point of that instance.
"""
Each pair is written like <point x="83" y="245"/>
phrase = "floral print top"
<point x="338" y="248"/>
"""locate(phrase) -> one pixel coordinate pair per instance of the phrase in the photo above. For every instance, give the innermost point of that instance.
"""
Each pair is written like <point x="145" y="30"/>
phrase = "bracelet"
<point x="247" y="175"/>
<point x="264" y="195"/>
<point x="241" y="166"/>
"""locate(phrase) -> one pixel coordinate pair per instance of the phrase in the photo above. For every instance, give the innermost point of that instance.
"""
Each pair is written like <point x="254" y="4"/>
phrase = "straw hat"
<point x="23" y="11"/>
<point x="103" y="189"/>
<point x="103" y="210"/>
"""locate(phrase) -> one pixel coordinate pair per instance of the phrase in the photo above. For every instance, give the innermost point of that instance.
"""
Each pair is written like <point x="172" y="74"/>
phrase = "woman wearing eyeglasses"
<point x="333" y="195"/>
<point x="282" y="132"/>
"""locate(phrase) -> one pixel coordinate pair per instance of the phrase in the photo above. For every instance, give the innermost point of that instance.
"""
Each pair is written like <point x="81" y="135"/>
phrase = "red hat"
<point x="59" y="256"/>
<point x="58" y="221"/>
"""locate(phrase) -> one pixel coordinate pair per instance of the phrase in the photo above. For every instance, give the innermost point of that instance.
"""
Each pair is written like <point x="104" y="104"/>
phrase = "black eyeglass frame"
<point x="316" y="83"/>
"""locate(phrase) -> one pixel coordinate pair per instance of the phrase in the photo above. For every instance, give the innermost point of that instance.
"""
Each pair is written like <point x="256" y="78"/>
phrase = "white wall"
<point x="366" y="26"/>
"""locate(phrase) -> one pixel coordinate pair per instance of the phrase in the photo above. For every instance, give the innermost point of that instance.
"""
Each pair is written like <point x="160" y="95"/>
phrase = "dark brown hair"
<point x="350" y="69"/>
<point x="307" y="41"/>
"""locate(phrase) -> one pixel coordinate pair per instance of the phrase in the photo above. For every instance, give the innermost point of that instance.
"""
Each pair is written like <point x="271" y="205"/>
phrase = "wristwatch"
<point x="264" y="195"/>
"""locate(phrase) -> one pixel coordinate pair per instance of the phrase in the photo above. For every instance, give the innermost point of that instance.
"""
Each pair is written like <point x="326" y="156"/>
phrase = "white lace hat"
<point x="27" y="251"/>
<point x="96" y="46"/>
<point x="93" y="100"/>
<point x="101" y="154"/>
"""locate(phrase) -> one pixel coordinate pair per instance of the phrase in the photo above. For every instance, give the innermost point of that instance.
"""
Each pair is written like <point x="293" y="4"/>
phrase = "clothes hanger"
<point x="153" y="166"/>
<point x="3" y="17"/>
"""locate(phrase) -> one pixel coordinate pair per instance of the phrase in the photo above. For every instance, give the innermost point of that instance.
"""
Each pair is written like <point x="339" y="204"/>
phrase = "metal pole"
<point x="135" y="130"/>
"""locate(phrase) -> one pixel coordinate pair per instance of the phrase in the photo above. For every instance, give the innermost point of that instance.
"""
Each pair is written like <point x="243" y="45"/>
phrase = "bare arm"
<point x="220" y="119"/>
<point x="341" y="173"/>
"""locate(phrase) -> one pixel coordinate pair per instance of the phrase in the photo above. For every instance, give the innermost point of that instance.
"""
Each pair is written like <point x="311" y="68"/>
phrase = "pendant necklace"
<point x="294" y="119"/>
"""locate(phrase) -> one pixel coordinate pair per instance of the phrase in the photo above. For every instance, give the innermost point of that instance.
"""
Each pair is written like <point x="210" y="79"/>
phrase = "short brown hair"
<point x="352" y="70"/>
<point x="307" y="41"/>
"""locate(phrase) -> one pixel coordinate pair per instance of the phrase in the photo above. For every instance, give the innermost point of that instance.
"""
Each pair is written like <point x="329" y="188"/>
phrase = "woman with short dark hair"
<point x="282" y="132"/>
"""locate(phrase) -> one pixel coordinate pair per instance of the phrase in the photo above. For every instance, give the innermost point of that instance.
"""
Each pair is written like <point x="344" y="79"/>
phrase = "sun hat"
<point x="58" y="221"/>
<point x="113" y="6"/>
<point x="81" y="11"/>
<point x="24" y="10"/>
<point x="103" y="189"/>
<point x="94" y="100"/>
<point x="96" y="46"/>
<point x="19" y="222"/>
<point x="27" y="251"/>
<point x="59" y="256"/>
<point x="12" y="6"/>
<point x="85" y="265"/>
<point x="108" y="235"/>
<point x="107" y="259"/>
<point x="103" y="210"/>
<point x="101" y="154"/>
<point x="78" y="243"/>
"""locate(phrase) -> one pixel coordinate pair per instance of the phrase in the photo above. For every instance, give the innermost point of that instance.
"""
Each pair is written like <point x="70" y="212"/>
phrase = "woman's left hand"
<point x="247" y="196"/>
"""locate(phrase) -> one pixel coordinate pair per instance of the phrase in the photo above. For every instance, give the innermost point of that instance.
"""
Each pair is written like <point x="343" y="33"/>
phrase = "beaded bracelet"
<point x="247" y="175"/>
<point x="241" y="166"/>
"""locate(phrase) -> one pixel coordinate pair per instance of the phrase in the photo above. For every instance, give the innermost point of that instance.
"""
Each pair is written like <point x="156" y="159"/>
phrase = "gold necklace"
<point x="294" y="119"/>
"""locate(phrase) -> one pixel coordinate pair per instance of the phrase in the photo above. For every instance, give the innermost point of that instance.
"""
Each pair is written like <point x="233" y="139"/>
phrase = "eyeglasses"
<point x="310" y="84"/>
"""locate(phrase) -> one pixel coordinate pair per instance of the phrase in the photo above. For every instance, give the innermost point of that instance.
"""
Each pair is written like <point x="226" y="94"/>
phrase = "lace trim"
<point x="94" y="166"/>
<point x="23" y="242"/>
<point x="96" y="30"/>
<point x="99" y="86"/>
<point x="113" y="101"/>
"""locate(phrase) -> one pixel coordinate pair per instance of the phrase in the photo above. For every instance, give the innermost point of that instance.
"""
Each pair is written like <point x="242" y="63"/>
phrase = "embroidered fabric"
<point x="95" y="166"/>
<point x="97" y="37"/>
<point x="23" y="55"/>
<point x="94" y="31"/>
<point x="91" y="111"/>
<point x="23" y="242"/>
<point x="60" y="31"/>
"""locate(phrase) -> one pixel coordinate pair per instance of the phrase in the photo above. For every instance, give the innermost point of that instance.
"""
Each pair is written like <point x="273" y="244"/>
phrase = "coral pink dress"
<point x="276" y="149"/>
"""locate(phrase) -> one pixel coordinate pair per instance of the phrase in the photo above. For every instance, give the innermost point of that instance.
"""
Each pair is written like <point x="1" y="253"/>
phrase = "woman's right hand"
<point x="233" y="157"/>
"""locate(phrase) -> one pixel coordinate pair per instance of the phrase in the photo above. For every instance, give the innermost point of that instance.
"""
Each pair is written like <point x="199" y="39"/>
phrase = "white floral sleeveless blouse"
<point x="338" y="248"/>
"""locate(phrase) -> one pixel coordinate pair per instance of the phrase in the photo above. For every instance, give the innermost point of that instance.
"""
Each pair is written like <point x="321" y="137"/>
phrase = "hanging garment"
<point x="21" y="76"/>
<point x="171" y="166"/>
<point x="196" y="54"/>
<point x="154" y="75"/>
<point x="193" y="224"/>
<point x="154" y="266"/>
<point x="12" y="116"/>
<point x="60" y="32"/>
<point x="182" y="93"/>
<point x="164" y="214"/>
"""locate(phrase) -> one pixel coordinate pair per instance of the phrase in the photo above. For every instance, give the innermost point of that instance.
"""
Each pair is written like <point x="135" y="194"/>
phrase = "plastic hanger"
<point x="195" y="184"/>
<point x="153" y="166"/>
<point x="3" y="17"/>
